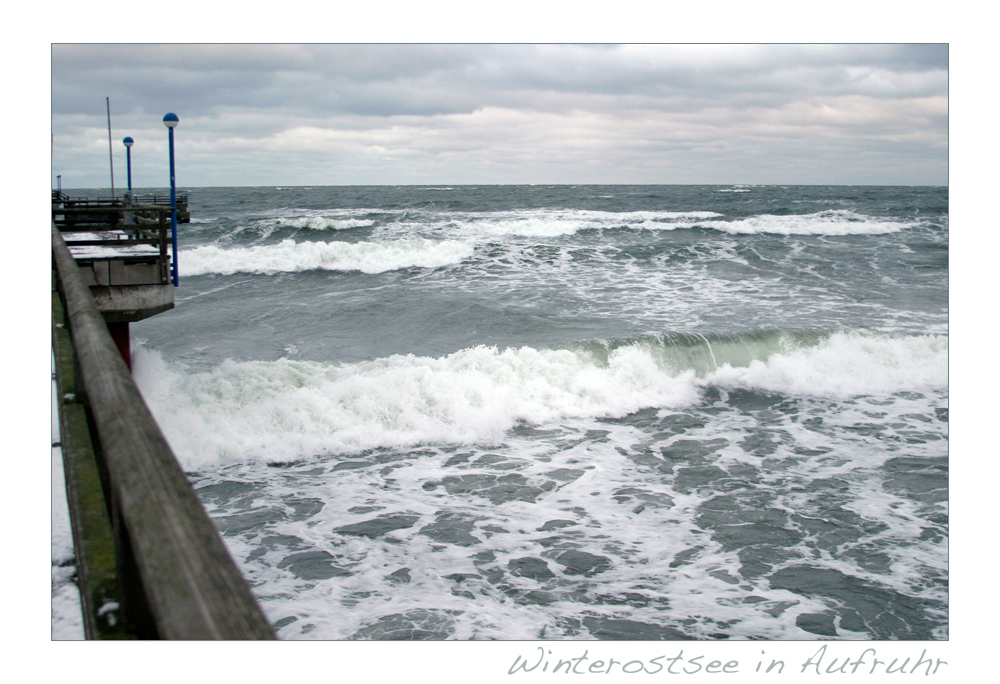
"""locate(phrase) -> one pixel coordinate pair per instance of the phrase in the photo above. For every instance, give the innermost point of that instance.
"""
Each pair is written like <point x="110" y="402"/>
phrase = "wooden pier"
<point x="121" y="247"/>
<point x="150" y="563"/>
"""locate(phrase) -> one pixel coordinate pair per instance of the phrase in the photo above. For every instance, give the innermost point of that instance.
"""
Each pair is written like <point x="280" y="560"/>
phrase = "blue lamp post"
<point x="170" y="121"/>
<point x="128" y="142"/>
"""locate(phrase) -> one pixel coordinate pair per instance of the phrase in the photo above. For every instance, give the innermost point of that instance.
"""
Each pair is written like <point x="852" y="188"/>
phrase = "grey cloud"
<point x="385" y="80"/>
<point x="405" y="109"/>
<point x="81" y="58"/>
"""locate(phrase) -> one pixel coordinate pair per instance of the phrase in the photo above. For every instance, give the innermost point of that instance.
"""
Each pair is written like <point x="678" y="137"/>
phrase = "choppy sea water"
<point x="611" y="412"/>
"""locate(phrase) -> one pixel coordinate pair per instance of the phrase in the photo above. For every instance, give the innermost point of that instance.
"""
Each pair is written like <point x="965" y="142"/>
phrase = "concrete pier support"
<point x="119" y="333"/>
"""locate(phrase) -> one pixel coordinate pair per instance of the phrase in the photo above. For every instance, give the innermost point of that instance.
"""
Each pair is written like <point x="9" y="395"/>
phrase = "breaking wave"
<point x="285" y="409"/>
<point x="289" y="256"/>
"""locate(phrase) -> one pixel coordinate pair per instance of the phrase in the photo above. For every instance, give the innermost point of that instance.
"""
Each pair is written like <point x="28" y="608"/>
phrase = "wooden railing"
<point x="149" y="561"/>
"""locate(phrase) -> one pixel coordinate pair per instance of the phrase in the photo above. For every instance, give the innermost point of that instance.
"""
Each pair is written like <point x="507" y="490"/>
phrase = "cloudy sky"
<point x="475" y="114"/>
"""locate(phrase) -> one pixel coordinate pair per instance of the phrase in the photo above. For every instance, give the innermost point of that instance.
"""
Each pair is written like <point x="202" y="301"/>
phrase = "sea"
<point x="563" y="412"/>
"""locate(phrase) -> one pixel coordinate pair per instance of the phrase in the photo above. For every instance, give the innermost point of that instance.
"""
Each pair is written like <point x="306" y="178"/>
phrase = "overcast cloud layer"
<point x="478" y="114"/>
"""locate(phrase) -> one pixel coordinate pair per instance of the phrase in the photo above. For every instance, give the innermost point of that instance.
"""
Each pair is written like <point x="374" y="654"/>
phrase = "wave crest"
<point x="831" y="222"/>
<point x="554" y="223"/>
<point x="324" y="223"/>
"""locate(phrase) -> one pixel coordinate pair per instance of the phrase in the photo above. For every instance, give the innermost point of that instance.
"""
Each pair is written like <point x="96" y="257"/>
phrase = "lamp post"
<point x="170" y="120"/>
<point x="129" y="217"/>
<point x="128" y="142"/>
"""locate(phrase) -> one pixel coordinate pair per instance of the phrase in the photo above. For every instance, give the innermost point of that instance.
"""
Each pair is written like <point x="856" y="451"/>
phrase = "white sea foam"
<point x="527" y="227"/>
<point x="283" y="410"/>
<point x="290" y="256"/>
<point x="832" y="222"/>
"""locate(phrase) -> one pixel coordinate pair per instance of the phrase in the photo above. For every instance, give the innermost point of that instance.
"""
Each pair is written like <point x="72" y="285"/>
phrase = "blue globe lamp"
<point x="128" y="142"/>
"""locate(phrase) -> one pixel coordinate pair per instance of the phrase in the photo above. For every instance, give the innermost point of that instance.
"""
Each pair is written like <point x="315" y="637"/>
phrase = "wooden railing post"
<point x="101" y="601"/>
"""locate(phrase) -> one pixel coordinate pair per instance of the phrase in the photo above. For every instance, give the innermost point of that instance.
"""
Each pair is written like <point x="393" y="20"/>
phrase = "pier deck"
<point x="122" y="251"/>
<point x="108" y="244"/>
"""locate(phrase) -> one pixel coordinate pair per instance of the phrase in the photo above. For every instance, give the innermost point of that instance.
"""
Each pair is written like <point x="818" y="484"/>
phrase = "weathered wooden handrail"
<point x="57" y="197"/>
<point x="190" y="585"/>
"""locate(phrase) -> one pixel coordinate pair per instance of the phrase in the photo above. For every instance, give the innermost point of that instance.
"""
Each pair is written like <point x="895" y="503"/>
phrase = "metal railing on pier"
<point x="62" y="200"/>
